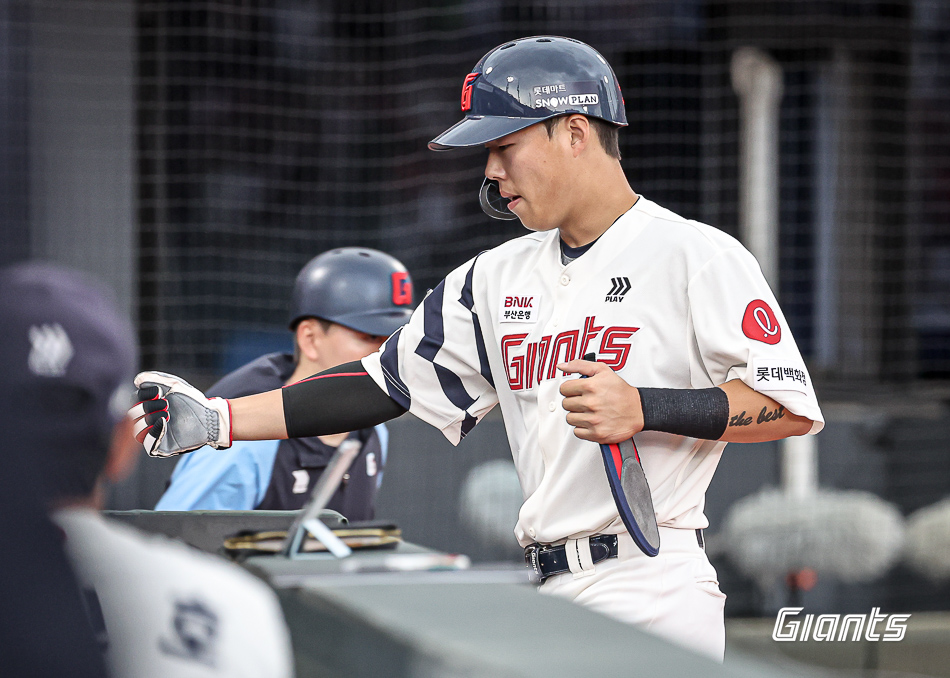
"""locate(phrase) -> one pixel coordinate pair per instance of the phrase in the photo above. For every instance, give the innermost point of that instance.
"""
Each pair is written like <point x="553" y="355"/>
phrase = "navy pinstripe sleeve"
<point x="437" y="365"/>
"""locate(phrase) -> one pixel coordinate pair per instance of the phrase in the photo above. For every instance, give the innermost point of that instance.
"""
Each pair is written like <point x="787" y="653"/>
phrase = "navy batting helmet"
<point x="523" y="82"/>
<point x="357" y="287"/>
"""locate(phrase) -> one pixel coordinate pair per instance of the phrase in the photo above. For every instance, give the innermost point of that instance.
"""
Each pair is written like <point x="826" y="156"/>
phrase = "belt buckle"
<point x="531" y="553"/>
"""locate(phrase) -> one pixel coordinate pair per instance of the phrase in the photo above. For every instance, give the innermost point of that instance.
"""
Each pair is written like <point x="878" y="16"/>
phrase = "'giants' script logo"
<point x="537" y="361"/>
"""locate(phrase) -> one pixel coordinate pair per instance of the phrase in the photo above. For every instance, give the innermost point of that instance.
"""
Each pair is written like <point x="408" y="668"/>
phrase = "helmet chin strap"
<point x="492" y="202"/>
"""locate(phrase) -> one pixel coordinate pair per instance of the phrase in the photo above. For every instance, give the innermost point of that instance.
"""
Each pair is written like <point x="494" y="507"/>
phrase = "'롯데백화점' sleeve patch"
<point x="779" y="375"/>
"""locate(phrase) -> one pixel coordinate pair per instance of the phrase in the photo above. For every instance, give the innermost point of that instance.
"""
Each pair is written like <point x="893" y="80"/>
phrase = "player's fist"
<point x="601" y="406"/>
<point x="172" y="416"/>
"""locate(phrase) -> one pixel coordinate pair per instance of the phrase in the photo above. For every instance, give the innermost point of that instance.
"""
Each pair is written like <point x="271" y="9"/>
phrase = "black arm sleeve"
<point x="343" y="398"/>
<point x="695" y="413"/>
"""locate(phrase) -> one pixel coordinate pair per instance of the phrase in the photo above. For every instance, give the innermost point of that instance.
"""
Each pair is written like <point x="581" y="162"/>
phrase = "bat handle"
<point x="592" y="357"/>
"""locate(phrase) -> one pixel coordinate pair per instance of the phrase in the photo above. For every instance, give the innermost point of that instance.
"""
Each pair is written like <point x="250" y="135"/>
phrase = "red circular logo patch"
<point x="759" y="323"/>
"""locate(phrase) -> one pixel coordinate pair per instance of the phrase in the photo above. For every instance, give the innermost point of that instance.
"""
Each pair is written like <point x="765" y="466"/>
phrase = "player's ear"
<point x="123" y="453"/>
<point x="308" y="336"/>
<point x="579" y="129"/>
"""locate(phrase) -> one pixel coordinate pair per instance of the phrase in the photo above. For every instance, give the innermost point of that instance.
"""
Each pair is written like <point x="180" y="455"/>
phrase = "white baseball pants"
<point x="674" y="595"/>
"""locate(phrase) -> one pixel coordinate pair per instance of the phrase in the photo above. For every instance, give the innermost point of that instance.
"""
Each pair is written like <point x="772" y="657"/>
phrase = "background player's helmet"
<point x="523" y="82"/>
<point x="357" y="287"/>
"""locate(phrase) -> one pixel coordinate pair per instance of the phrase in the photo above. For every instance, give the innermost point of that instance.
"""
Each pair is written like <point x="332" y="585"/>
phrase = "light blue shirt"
<point x="234" y="479"/>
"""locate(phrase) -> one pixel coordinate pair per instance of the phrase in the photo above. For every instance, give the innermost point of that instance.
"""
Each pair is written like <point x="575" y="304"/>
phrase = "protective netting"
<point x="270" y="131"/>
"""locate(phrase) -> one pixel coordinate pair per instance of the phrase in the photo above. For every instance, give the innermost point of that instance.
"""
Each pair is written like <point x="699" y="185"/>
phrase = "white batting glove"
<point x="173" y="417"/>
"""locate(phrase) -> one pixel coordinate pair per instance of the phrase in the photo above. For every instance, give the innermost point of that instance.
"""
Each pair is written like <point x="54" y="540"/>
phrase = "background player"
<point x="693" y="348"/>
<point x="344" y="304"/>
<point x="158" y="608"/>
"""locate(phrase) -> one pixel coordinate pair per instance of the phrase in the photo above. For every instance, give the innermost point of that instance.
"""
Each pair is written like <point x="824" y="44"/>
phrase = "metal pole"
<point x="757" y="80"/>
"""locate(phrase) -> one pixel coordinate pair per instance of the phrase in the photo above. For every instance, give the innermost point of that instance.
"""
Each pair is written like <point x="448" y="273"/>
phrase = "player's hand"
<point x="172" y="416"/>
<point x="603" y="408"/>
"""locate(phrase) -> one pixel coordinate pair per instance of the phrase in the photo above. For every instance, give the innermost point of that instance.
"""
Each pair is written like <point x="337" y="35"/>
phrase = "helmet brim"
<point x="478" y="130"/>
<point x="377" y="323"/>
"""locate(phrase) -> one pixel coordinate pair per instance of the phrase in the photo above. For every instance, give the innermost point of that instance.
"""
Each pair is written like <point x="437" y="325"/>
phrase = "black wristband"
<point x="694" y="413"/>
<point x="341" y="399"/>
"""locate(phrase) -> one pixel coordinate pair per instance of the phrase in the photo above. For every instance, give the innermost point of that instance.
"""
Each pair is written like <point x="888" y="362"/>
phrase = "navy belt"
<point x="547" y="560"/>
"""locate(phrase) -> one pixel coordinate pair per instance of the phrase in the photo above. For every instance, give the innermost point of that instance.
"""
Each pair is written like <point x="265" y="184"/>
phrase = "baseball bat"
<point x="630" y="490"/>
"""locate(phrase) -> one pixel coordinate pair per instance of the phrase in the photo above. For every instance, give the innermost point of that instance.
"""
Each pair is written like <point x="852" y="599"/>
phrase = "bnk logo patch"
<point x="519" y="308"/>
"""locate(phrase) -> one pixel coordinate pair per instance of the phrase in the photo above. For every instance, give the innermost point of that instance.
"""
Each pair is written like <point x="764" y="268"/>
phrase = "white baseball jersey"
<point x="160" y="608"/>
<point x="665" y="302"/>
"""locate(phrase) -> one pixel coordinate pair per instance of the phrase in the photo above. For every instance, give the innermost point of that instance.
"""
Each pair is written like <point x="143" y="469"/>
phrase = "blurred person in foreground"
<point x="344" y="305"/>
<point x="157" y="608"/>
<point x="42" y="621"/>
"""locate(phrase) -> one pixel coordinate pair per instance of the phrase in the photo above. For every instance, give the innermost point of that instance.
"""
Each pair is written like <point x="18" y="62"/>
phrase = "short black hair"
<point x="607" y="134"/>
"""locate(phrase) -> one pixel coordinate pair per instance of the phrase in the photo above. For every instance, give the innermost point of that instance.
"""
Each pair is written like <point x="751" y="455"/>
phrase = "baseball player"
<point x="692" y="350"/>
<point x="157" y="608"/>
<point x="344" y="304"/>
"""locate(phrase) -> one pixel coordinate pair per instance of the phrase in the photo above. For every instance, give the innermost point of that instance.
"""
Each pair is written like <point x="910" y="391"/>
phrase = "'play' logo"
<point x="620" y="287"/>
<point x="759" y="323"/>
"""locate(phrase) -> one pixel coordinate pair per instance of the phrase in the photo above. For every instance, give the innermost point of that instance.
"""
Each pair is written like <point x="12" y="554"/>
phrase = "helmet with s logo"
<point x="528" y="80"/>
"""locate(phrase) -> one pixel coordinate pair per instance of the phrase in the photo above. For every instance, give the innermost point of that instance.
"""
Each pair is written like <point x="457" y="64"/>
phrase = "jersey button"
<point x="533" y="533"/>
<point x="565" y="279"/>
<point x="552" y="406"/>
